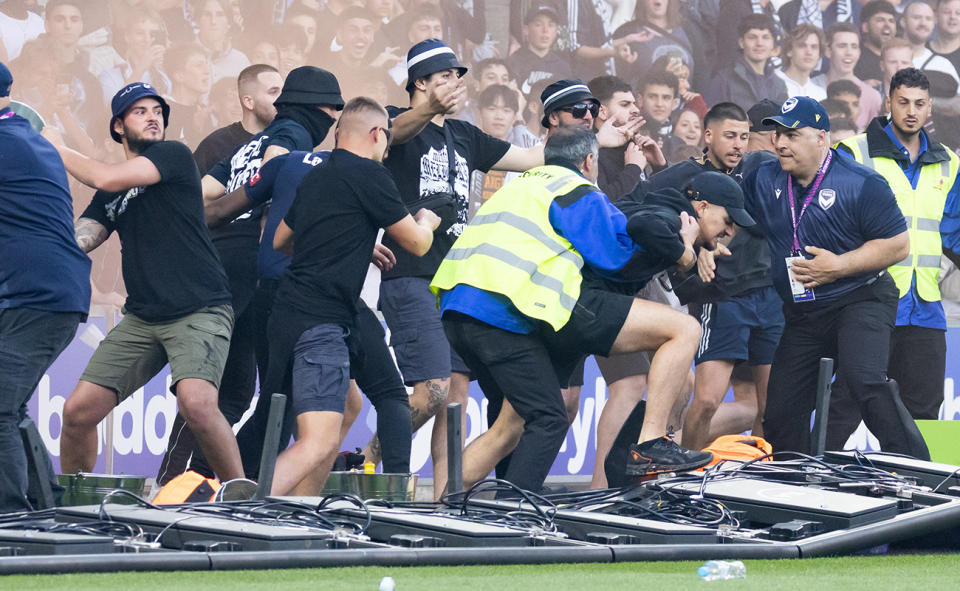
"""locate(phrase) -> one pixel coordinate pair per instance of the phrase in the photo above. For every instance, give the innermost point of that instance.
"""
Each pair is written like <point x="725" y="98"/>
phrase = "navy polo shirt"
<point x="42" y="268"/>
<point x="854" y="204"/>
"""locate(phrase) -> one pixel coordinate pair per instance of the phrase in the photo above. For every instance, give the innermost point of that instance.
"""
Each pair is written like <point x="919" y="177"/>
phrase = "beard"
<point x="136" y="143"/>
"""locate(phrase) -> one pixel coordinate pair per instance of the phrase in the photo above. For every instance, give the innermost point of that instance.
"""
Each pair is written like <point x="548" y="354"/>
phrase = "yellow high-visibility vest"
<point x="510" y="248"/>
<point x="923" y="209"/>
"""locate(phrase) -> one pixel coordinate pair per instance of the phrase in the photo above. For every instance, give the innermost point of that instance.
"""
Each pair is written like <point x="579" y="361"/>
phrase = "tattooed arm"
<point x="90" y="233"/>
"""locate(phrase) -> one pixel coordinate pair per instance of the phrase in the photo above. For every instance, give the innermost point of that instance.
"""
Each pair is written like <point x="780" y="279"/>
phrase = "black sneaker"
<point x="663" y="455"/>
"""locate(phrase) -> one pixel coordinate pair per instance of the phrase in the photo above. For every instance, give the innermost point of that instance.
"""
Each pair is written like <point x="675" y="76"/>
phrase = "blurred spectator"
<point x="422" y="23"/>
<point x="802" y="49"/>
<point x="843" y="51"/>
<point x="731" y="13"/>
<point x="486" y="74"/>
<point x="814" y="13"/>
<point x="497" y="109"/>
<point x="657" y="25"/>
<point x="174" y="14"/>
<point x="65" y="25"/>
<point x="837" y="110"/>
<point x="895" y="55"/>
<point x="308" y="21"/>
<point x="947" y="40"/>
<point x="539" y="58"/>
<point x="657" y="99"/>
<point x="385" y="10"/>
<point x="18" y="25"/>
<point x="225" y="101"/>
<point x="144" y="41"/>
<point x="841" y="128"/>
<point x="533" y="111"/>
<point x="354" y="64"/>
<point x="291" y="43"/>
<point x="917" y="23"/>
<point x="327" y="20"/>
<point x="878" y="24"/>
<point x="190" y="73"/>
<point x="752" y="78"/>
<point x="265" y="51"/>
<point x="42" y="85"/>
<point x="674" y="64"/>
<point x="687" y="127"/>
<point x="460" y="29"/>
<point x="850" y="94"/>
<point x="213" y="20"/>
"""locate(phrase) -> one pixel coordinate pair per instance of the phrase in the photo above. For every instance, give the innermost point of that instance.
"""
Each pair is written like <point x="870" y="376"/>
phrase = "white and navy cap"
<point x="428" y="57"/>
<point x="562" y="93"/>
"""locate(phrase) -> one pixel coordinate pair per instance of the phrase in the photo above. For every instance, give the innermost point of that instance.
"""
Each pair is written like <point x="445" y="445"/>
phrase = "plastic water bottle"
<point x="387" y="584"/>
<point x="722" y="570"/>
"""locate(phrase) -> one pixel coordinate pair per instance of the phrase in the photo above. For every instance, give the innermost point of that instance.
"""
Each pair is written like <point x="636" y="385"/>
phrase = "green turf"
<point x="936" y="571"/>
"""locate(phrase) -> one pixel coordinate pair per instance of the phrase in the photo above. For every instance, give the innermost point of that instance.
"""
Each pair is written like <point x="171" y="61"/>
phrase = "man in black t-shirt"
<point x="334" y="221"/>
<point x="426" y="141"/>
<point x="258" y="86"/>
<point x="178" y="307"/>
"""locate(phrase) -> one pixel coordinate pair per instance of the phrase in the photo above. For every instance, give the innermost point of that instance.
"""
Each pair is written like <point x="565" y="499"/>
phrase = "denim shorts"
<point x="321" y="369"/>
<point x="416" y="333"/>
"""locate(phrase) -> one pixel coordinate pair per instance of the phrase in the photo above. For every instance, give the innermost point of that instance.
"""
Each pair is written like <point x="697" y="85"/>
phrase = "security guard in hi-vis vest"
<point x="923" y="176"/>
<point x="520" y="305"/>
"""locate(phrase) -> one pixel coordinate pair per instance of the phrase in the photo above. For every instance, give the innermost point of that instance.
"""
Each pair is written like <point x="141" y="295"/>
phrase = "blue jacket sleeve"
<point x="950" y="224"/>
<point x="597" y="229"/>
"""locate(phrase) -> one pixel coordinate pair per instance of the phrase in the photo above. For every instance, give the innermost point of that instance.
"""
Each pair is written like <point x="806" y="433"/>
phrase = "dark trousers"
<point x="371" y="365"/>
<point x="519" y="368"/>
<point x="30" y="341"/>
<point x="917" y="363"/>
<point x="239" y="373"/>
<point x="856" y="332"/>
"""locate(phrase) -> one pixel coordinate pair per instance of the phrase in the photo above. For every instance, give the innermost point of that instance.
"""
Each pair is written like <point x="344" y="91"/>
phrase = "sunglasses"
<point x="579" y="110"/>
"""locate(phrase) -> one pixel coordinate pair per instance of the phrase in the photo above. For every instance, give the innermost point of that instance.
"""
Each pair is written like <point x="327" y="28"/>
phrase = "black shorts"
<point x="592" y="329"/>
<point x="745" y="327"/>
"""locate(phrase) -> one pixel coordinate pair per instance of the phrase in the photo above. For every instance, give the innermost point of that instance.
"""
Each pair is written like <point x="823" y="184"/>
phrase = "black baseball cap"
<point x="562" y="93"/>
<point x="6" y="80"/>
<point x="130" y="94"/>
<point x="542" y="8"/>
<point x="759" y="112"/>
<point x="309" y="85"/>
<point x="801" y="111"/>
<point x="719" y="189"/>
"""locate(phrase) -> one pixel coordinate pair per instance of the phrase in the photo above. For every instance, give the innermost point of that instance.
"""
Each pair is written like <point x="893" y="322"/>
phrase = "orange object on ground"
<point x="741" y="448"/>
<point x="189" y="487"/>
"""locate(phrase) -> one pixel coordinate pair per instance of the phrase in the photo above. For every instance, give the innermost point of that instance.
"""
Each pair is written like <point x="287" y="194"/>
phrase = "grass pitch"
<point x="930" y="571"/>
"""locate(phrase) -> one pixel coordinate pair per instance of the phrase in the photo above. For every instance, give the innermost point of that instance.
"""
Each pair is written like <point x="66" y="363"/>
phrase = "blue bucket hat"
<point x="130" y="94"/>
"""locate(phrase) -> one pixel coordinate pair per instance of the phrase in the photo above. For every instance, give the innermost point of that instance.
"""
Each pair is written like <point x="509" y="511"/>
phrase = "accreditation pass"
<point x="800" y="293"/>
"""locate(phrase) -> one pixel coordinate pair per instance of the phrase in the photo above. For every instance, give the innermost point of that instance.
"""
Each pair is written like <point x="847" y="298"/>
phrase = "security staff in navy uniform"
<point x="923" y="173"/>
<point x="833" y="228"/>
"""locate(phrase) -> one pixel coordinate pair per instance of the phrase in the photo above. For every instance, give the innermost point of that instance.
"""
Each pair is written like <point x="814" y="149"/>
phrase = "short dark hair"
<point x="423" y="12"/>
<point x="493" y="92"/>
<point x="911" y="78"/>
<point x="836" y="109"/>
<point x="841" y="28"/>
<point x="604" y="87"/>
<point x="724" y="111"/>
<point x="757" y="21"/>
<point x="250" y="73"/>
<point x="661" y="78"/>
<point x="843" y="87"/>
<point x="175" y="58"/>
<point x="492" y="61"/>
<point x="875" y="7"/>
<point x="570" y="144"/>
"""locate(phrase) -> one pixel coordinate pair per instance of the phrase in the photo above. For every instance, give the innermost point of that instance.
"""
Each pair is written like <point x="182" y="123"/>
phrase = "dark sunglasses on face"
<point x="579" y="110"/>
